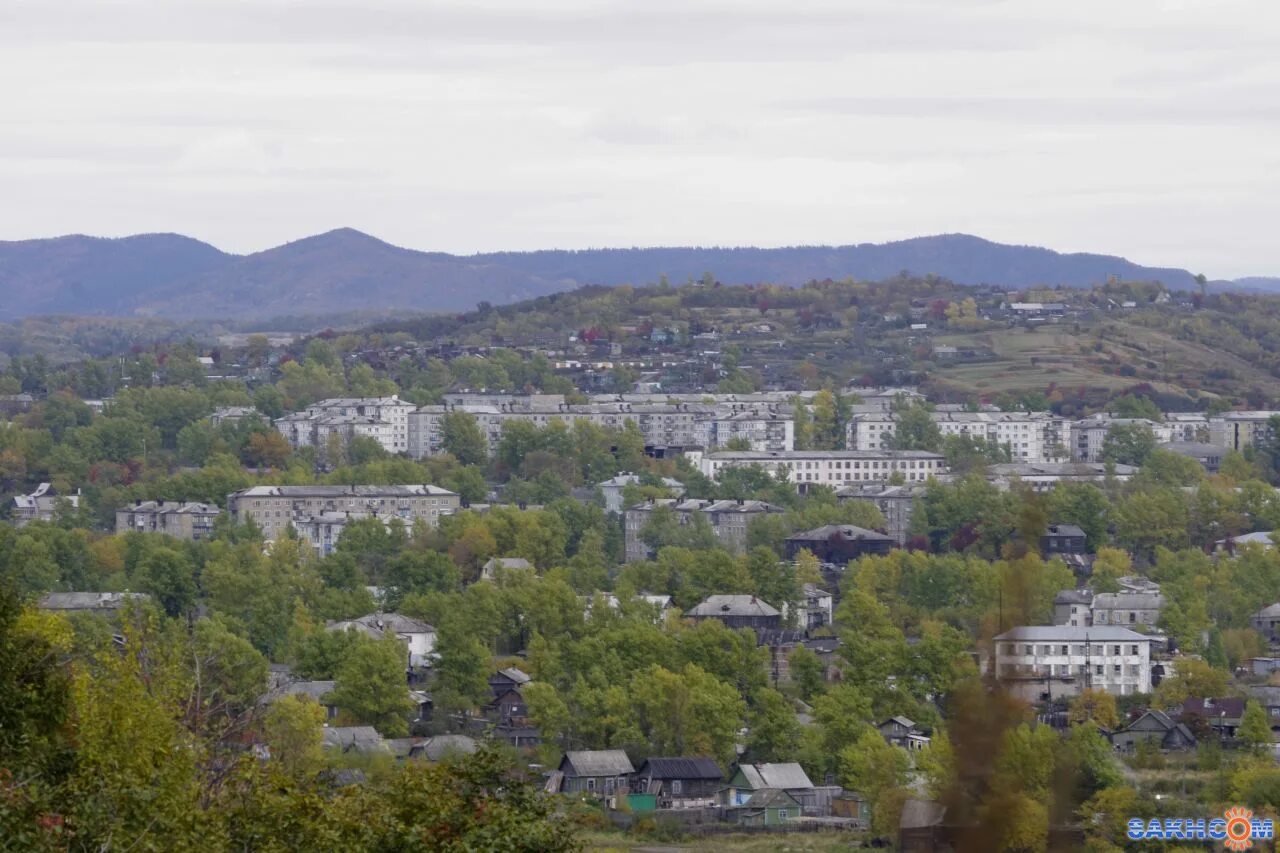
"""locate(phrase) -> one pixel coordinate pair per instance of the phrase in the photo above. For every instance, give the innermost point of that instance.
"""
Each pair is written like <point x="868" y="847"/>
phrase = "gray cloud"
<point x="1145" y="128"/>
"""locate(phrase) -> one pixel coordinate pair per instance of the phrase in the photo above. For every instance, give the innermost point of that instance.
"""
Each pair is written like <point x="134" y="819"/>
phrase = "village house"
<point x="679" y="782"/>
<point x="768" y="808"/>
<point x="1059" y="539"/>
<point x="1157" y="729"/>
<point x="317" y="691"/>
<point x="364" y="739"/>
<point x="1221" y="715"/>
<point x="1267" y="622"/>
<point x="839" y="543"/>
<point x="902" y="732"/>
<point x="737" y="611"/>
<point x="419" y="637"/>
<point x="600" y="772"/>
<point x="489" y="571"/>
<point x="748" y="779"/>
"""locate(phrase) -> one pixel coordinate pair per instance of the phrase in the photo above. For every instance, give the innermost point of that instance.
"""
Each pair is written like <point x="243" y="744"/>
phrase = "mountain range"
<point x="169" y="275"/>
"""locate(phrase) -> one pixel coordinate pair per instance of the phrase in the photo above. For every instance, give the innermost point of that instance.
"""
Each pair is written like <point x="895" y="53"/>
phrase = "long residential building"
<point x="1044" y="662"/>
<point x="664" y="425"/>
<point x="1029" y="436"/>
<point x="383" y="419"/>
<point x="835" y="468"/>
<point x="728" y="521"/>
<point x="275" y="508"/>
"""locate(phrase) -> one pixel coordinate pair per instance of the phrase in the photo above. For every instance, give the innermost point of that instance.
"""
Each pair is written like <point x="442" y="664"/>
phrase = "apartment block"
<point x="179" y="519"/>
<point x="835" y="468"/>
<point x="275" y="508"/>
<point x="728" y="521"/>
<point x="383" y="419"/>
<point x="1039" y="663"/>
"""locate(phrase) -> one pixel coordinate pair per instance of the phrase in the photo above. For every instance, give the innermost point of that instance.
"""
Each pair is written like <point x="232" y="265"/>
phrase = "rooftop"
<point x="1069" y="633"/>
<point x="733" y="605"/>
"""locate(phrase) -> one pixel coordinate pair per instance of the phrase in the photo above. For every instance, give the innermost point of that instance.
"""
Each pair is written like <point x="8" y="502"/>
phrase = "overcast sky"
<point x="1145" y="128"/>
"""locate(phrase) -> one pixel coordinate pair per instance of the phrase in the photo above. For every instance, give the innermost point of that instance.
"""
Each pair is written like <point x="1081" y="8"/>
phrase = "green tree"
<point x="1128" y="444"/>
<point x="1255" y="731"/>
<point x="774" y="731"/>
<point x="294" y="732"/>
<point x="370" y="686"/>
<point x="461" y="435"/>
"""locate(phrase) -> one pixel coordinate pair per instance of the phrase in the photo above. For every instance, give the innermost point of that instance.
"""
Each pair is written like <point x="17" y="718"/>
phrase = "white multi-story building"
<point x="384" y="419"/>
<point x="1029" y="436"/>
<point x="1043" y="662"/>
<point x="663" y="425"/>
<point x="835" y="468"/>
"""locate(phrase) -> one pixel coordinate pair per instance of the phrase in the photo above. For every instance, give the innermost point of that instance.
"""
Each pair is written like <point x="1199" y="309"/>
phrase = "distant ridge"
<point x="344" y="270"/>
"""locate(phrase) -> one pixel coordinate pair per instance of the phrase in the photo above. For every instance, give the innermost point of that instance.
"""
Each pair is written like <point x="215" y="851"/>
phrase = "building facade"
<point x="40" y="505"/>
<point x="1039" y="663"/>
<point x="181" y="520"/>
<point x="727" y="519"/>
<point x="834" y="468"/>
<point x="383" y="419"/>
<point x="275" y="508"/>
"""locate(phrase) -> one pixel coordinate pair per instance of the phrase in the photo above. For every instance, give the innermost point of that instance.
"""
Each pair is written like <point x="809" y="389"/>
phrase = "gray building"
<point x="1208" y="455"/>
<point x="274" y="508"/>
<point x="181" y="520"/>
<point x="728" y="521"/>
<point x="896" y="503"/>
<point x="40" y="505"/>
<point x="738" y="611"/>
<point x="612" y="489"/>
<point x="1127" y="609"/>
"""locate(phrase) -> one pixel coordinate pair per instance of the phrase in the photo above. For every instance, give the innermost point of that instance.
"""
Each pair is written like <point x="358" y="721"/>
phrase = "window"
<point x="782" y="814"/>
<point x="1133" y="650"/>
<point x="677" y="786"/>
<point x="591" y="784"/>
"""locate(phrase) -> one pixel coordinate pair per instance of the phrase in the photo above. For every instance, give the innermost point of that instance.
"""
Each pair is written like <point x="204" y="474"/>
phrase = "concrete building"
<point x="613" y="488"/>
<point x="323" y="530"/>
<point x="1207" y="454"/>
<point x="1028" y="436"/>
<point x="231" y="415"/>
<point x="40" y="505"/>
<point x="274" y="508"/>
<point x="1039" y="663"/>
<point x="896" y="503"/>
<point x="834" y="468"/>
<point x="1238" y="430"/>
<point x="179" y="519"/>
<point x="727" y="519"/>
<point x="383" y="419"/>
<point x="1090" y="434"/>
<point x="1127" y="609"/>
<point x="1043" y="476"/>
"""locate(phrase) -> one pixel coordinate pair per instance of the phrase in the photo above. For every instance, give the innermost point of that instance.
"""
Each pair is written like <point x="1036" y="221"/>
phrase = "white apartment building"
<point x="1029" y="436"/>
<point x="663" y="425"/>
<point x="384" y="419"/>
<point x="835" y="468"/>
<point x="1042" y="662"/>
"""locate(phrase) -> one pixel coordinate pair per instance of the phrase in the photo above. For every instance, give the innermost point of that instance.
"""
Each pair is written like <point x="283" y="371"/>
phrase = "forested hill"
<point x="168" y="275"/>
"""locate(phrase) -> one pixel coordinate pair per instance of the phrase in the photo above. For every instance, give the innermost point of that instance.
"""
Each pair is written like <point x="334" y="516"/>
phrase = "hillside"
<point x="94" y="275"/>
<point x="168" y="275"/>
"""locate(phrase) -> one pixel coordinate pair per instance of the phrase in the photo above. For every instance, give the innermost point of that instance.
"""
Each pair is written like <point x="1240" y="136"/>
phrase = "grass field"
<point x="1032" y="359"/>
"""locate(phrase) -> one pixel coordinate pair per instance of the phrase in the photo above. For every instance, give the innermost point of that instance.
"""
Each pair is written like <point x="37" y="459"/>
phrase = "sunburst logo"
<point x="1239" y="828"/>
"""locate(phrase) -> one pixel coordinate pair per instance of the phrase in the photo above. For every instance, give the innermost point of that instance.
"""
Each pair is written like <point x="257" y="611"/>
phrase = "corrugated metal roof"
<point x="681" y="768"/>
